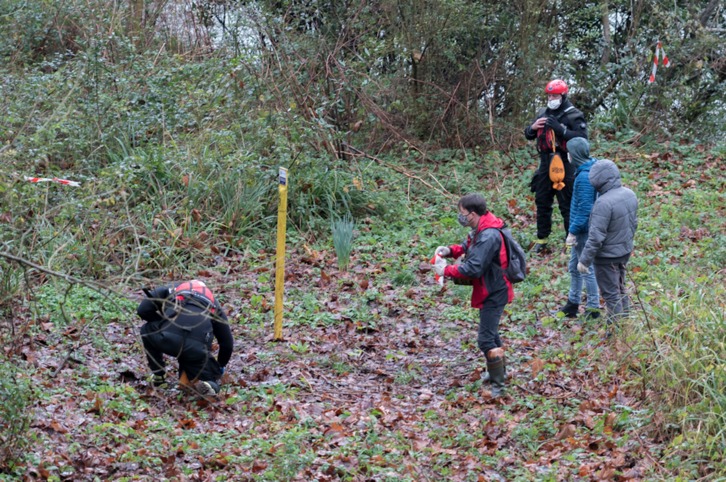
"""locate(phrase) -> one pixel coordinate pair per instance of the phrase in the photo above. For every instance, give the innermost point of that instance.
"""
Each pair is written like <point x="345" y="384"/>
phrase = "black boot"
<point x="496" y="371"/>
<point x="591" y="314"/>
<point x="570" y="309"/>
<point x="159" y="380"/>
<point x="540" y="246"/>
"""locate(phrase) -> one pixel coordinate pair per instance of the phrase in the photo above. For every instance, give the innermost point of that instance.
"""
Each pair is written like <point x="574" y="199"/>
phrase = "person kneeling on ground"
<point x="483" y="266"/>
<point x="181" y="321"/>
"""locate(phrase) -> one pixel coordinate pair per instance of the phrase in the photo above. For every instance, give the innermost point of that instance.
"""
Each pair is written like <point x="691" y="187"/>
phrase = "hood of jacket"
<point x="604" y="176"/>
<point x="579" y="150"/>
<point x="586" y="167"/>
<point x="489" y="220"/>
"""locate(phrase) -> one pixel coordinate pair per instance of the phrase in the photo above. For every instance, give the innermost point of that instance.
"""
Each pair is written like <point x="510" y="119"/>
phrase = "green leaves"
<point x="16" y="414"/>
<point x="342" y="229"/>
<point x="380" y="377"/>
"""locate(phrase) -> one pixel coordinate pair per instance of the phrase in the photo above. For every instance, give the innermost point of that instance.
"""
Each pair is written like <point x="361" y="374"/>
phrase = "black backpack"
<point x="516" y="269"/>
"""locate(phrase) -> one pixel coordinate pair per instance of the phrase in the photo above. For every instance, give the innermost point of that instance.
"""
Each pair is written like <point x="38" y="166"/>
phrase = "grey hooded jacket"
<point x="613" y="220"/>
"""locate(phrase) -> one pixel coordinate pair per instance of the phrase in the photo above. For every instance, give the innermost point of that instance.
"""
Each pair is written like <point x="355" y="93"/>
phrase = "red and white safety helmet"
<point x="196" y="289"/>
<point x="556" y="86"/>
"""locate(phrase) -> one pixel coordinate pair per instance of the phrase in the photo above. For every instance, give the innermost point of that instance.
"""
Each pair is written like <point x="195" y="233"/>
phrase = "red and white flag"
<point x="64" y="182"/>
<point x="666" y="63"/>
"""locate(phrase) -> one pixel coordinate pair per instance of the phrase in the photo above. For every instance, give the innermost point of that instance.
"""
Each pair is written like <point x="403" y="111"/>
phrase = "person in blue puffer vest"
<point x="583" y="198"/>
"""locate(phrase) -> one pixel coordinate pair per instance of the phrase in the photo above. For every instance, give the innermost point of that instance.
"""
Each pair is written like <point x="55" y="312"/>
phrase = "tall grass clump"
<point x="683" y="342"/>
<point x="319" y="188"/>
<point x="343" y="240"/>
<point x="243" y="202"/>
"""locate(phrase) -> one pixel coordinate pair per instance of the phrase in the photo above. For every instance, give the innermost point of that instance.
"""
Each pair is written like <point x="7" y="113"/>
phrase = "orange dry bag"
<point x="557" y="167"/>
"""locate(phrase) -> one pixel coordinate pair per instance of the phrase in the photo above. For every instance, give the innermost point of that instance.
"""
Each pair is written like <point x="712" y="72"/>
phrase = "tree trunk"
<point x="607" y="42"/>
<point x="136" y="21"/>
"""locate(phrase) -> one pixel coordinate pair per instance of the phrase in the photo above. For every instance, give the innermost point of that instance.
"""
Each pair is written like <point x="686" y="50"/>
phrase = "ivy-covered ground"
<point x="378" y="376"/>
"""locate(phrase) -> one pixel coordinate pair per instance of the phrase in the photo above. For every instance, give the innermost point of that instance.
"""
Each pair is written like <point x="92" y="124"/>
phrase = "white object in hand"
<point x="439" y="266"/>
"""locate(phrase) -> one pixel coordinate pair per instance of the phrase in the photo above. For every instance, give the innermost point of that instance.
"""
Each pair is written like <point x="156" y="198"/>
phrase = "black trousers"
<point x="193" y="354"/>
<point x="489" y="315"/>
<point x="545" y="194"/>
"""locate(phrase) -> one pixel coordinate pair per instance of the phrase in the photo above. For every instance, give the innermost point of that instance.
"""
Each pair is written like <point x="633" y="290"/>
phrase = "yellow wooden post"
<point x="280" y="263"/>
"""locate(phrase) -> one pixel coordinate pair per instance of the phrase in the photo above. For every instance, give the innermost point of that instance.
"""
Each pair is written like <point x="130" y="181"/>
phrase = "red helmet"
<point x="556" y="86"/>
<point x="196" y="289"/>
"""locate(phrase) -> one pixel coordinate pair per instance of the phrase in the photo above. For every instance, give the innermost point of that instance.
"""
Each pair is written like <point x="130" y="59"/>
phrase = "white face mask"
<point x="554" y="104"/>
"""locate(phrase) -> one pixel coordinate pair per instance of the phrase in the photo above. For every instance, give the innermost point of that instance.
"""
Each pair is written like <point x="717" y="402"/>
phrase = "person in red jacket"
<point x="181" y="321"/>
<point x="484" y="263"/>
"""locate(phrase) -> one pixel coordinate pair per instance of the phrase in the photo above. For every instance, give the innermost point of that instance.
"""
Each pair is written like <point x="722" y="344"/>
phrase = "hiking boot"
<point x="591" y="314"/>
<point x="570" y="309"/>
<point x="206" y="389"/>
<point x="159" y="381"/>
<point x="540" y="247"/>
<point x="495" y="369"/>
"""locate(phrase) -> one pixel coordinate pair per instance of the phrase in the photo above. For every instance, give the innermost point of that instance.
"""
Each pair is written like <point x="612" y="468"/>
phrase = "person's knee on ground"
<point x="154" y="355"/>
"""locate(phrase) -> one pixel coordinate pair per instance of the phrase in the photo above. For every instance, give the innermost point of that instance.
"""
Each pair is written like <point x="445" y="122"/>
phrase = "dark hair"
<point x="474" y="203"/>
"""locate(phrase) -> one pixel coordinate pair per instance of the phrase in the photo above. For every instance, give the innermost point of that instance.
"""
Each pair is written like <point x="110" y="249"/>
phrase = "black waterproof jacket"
<point x="161" y="306"/>
<point x="567" y="115"/>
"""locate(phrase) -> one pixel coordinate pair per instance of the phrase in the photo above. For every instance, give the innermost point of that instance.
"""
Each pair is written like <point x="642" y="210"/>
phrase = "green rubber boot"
<point x="497" y="373"/>
<point x="485" y="377"/>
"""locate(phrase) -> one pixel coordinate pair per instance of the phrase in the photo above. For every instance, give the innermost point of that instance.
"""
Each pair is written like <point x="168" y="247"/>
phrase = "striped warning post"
<point x="658" y="53"/>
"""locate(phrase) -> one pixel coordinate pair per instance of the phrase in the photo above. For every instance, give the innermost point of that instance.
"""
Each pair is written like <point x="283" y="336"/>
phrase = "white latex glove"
<point x="440" y="266"/>
<point x="582" y="268"/>
<point x="443" y="251"/>
<point x="571" y="240"/>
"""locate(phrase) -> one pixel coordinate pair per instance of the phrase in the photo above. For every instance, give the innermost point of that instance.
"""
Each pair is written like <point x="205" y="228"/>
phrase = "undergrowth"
<point x="177" y="164"/>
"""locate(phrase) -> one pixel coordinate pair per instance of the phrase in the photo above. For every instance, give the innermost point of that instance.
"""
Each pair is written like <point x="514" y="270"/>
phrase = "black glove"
<point x="555" y="125"/>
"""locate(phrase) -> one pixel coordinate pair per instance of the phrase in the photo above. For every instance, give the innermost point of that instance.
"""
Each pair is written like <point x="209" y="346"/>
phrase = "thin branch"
<point x="645" y="313"/>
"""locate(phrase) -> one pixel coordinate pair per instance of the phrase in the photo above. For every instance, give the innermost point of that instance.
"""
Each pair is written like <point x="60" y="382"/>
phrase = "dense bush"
<point x="15" y="413"/>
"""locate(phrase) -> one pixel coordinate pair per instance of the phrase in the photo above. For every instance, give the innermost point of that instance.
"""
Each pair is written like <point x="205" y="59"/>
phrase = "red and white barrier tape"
<point x="64" y="182"/>
<point x="666" y="63"/>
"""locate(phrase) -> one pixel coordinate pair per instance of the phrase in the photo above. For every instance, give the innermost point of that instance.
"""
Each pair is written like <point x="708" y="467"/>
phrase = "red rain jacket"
<point x="486" y="256"/>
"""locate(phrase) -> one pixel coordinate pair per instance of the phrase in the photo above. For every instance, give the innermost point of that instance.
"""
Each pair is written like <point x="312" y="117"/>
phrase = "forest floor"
<point x="378" y="376"/>
<point x="375" y="382"/>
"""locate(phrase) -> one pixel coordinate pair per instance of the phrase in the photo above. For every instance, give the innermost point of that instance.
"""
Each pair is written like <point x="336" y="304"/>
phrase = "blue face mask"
<point x="463" y="219"/>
